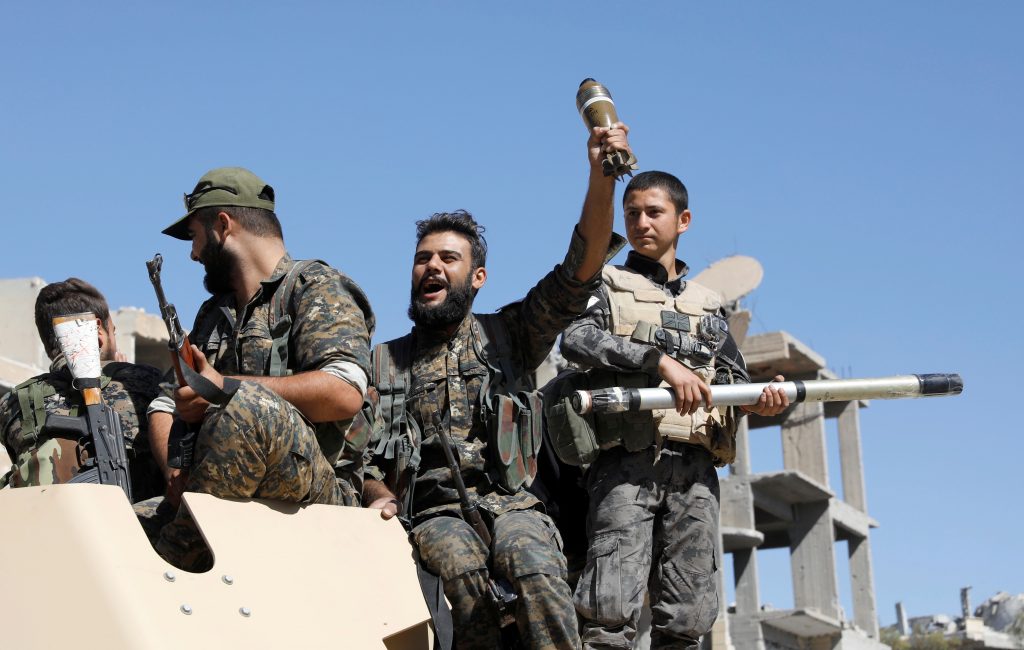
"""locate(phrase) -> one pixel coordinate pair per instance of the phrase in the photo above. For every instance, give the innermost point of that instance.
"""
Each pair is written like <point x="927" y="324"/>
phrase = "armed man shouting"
<point x="285" y="345"/>
<point x="466" y="378"/>
<point x="653" y="519"/>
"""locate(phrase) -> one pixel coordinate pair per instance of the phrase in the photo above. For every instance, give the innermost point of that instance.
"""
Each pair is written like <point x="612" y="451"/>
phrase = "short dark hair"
<point x="662" y="180"/>
<point x="72" y="296"/>
<point x="460" y="222"/>
<point x="258" y="221"/>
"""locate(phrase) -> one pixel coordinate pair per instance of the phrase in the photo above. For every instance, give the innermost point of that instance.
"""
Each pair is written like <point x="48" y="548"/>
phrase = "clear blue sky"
<point x="868" y="154"/>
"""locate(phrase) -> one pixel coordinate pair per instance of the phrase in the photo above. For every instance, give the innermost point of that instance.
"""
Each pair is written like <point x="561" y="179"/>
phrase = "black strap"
<point x="433" y="594"/>
<point x="206" y="388"/>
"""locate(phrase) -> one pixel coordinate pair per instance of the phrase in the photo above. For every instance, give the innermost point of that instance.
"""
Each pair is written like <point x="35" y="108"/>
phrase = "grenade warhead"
<point x="596" y="107"/>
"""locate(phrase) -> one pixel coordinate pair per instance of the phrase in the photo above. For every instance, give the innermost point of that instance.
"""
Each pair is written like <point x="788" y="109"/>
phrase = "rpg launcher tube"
<point x="618" y="400"/>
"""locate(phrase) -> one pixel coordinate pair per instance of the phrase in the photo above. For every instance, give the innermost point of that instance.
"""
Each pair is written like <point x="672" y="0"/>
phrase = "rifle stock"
<point x="502" y="599"/>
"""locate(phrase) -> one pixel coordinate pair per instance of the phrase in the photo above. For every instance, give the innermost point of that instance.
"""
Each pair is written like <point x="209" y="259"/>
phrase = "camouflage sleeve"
<point x="335" y="321"/>
<point x="143" y="385"/>
<point x="535" y="322"/>
<point x="588" y="342"/>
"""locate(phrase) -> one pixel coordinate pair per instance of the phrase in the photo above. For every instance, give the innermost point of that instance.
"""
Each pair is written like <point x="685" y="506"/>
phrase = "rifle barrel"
<point x="618" y="400"/>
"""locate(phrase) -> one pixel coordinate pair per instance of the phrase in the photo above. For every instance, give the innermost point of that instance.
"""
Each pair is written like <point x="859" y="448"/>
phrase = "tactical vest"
<point x="281" y="316"/>
<point x="643" y="313"/>
<point x="31" y="396"/>
<point x="508" y="405"/>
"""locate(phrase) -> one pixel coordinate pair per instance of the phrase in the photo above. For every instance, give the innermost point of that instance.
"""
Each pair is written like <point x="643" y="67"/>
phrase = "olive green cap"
<point x="224" y="186"/>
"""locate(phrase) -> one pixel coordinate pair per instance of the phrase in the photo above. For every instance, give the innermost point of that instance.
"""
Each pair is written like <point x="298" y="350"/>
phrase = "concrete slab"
<point x="789" y="486"/>
<point x="850" y="522"/>
<point x="802" y="622"/>
<point x="772" y="353"/>
<point x="735" y="539"/>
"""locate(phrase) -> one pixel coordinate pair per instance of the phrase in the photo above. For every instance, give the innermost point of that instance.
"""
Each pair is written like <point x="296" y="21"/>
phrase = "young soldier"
<point x="470" y="375"/>
<point x="286" y="345"/>
<point x="653" y="489"/>
<point x="127" y="388"/>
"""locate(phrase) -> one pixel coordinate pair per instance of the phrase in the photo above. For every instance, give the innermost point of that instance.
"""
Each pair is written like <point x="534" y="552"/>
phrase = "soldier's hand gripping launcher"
<point x="100" y="425"/>
<point x="596" y="107"/>
<point x="618" y="400"/>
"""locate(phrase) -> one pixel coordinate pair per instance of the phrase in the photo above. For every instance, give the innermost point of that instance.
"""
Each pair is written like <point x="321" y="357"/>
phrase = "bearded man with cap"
<point x="287" y="345"/>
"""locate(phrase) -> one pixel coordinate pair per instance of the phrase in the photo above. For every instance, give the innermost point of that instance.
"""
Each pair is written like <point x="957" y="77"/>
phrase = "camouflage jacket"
<point x="327" y="324"/>
<point x="46" y="461"/>
<point x="447" y="375"/>
<point x="588" y="343"/>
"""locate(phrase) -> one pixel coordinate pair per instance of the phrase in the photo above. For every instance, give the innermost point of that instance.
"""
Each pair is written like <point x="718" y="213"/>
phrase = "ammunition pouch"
<point x="578" y="439"/>
<point x="634" y="430"/>
<point x="516" y="427"/>
<point x="571" y="434"/>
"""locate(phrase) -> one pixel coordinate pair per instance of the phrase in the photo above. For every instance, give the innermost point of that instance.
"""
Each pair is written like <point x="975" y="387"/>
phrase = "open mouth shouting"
<point x="433" y="289"/>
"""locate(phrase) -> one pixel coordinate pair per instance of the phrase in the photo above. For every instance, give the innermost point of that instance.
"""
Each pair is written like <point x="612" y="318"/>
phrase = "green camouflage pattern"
<point x="448" y="374"/>
<point x="257" y="445"/>
<point x="47" y="461"/>
<point x="331" y="322"/>
<point x="527" y="554"/>
<point x="652" y="526"/>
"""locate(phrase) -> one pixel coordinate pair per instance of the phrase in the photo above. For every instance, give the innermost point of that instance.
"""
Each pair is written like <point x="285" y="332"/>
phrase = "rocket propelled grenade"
<point x="596" y="107"/>
<point x="619" y="400"/>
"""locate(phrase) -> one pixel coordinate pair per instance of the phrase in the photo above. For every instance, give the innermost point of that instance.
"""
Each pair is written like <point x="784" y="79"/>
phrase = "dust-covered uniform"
<point x="653" y="516"/>
<point x="258" y="444"/>
<point x="40" y="459"/>
<point x="452" y="385"/>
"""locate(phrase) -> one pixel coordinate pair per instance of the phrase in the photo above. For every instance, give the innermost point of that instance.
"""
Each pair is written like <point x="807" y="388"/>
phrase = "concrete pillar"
<point x="850" y="459"/>
<point x="862" y="584"/>
<point x="718" y="637"/>
<point x="741" y="466"/>
<point x="803" y="441"/>
<point x="812" y="559"/>
<point x="748" y="593"/>
<point x="901" y="620"/>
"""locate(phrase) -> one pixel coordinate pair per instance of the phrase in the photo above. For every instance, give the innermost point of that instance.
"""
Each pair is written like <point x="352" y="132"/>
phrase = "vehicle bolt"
<point x="169" y="576"/>
<point x="228" y="580"/>
<point x="186" y="610"/>
<point x="245" y="611"/>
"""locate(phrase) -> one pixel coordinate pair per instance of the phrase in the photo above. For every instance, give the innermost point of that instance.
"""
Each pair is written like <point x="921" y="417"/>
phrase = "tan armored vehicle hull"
<point x="79" y="572"/>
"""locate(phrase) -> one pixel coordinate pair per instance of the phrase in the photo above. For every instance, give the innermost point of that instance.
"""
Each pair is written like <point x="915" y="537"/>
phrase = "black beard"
<point x="219" y="265"/>
<point x="456" y="305"/>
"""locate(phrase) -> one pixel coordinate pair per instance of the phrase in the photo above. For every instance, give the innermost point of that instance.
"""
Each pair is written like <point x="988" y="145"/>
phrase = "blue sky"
<point x="868" y="154"/>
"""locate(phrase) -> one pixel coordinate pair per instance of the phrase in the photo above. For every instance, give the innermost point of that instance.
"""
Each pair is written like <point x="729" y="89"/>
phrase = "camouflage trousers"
<point x="652" y="527"/>
<point x="526" y="552"/>
<point x="257" y="445"/>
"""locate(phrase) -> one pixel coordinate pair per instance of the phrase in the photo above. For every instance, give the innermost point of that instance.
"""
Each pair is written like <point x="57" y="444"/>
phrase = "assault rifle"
<point x="502" y="599"/>
<point x="78" y="340"/>
<point x="182" y="438"/>
<point x="618" y="400"/>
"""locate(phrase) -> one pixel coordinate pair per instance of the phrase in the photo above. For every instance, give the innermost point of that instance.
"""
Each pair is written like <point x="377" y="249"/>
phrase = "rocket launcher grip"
<point x="619" y="400"/>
